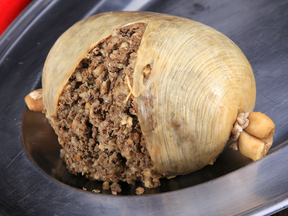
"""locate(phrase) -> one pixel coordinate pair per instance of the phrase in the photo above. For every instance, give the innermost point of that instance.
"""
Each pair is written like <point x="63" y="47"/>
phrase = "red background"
<point x="9" y="10"/>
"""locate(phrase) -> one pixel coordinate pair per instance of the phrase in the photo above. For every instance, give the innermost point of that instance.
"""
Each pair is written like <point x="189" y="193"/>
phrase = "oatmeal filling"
<point x="97" y="121"/>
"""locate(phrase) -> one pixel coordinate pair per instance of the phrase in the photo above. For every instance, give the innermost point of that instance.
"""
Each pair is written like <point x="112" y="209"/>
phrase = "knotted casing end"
<point x="256" y="139"/>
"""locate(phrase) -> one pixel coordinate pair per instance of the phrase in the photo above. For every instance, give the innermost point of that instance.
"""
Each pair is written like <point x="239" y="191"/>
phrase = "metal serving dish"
<point x="33" y="179"/>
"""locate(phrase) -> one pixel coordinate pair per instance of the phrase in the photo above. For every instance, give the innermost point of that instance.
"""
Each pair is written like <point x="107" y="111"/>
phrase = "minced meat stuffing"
<point x="97" y="121"/>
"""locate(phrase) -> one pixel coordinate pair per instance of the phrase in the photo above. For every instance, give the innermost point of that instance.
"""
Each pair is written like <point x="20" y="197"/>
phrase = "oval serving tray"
<point x="34" y="180"/>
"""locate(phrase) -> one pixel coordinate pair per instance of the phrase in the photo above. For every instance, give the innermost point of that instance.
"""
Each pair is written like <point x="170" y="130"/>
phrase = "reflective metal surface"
<point x="34" y="181"/>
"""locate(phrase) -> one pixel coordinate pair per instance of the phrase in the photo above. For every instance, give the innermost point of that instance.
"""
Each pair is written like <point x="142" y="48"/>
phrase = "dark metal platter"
<point x="34" y="181"/>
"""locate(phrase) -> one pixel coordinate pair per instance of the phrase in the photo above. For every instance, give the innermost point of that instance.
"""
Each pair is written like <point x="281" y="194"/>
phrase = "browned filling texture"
<point x="97" y="121"/>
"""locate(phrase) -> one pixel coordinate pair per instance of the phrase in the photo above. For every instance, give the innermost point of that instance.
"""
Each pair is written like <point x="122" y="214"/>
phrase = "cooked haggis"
<point x="97" y="119"/>
<point x="139" y="96"/>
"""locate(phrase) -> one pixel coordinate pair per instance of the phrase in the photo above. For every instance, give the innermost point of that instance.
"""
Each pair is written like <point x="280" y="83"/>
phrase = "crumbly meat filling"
<point x="97" y="121"/>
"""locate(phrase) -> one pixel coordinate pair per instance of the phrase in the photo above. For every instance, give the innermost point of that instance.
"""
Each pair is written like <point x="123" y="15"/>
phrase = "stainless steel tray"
<point x="33" y="181"/>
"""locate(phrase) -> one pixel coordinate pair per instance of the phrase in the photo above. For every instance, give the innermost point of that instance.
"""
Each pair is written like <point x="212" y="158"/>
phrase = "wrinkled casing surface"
<point x="199" y="82"/>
